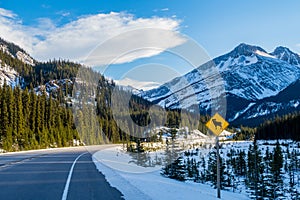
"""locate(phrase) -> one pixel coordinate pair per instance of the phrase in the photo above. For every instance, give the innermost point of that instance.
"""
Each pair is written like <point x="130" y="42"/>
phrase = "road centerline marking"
<point x="66" y="190"/>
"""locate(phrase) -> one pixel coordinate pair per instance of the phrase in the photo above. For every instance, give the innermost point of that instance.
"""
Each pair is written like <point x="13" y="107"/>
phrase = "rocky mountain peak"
<point x="246" y="49"/>
<point x="285" y="54"/>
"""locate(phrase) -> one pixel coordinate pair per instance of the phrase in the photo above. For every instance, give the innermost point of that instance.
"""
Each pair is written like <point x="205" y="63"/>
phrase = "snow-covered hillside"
<point x="150" y="185"/>
<point x="246" y="76"/>
<point x="53" y="86"/>
<point x="147" y="182"/>
<point x="16" y="52"/>
<point x="25" y="58"/>
<point x="8" y="74"/>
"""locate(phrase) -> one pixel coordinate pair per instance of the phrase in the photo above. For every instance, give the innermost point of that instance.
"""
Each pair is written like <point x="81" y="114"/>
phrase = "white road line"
<point x="65" y="194"/>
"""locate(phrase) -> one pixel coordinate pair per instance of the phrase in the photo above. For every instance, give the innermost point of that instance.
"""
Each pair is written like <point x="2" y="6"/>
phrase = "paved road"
<point x="44" y="175"/>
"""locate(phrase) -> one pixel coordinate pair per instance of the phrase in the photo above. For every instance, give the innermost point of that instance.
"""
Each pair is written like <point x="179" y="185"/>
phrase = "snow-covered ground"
<point x="137" y="182"/>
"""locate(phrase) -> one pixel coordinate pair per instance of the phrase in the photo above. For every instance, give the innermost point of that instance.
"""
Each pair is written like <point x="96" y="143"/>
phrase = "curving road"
<point x="53" y="174"/>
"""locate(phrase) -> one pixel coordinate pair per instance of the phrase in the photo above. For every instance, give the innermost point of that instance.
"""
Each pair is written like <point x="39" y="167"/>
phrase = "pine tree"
<point x="241" y="164"/>
<point x="291" y="172"/>
<point x="267" y="182"/>
<point x="11" y="118"/>
<point x="195" y="170"/>
<point x="6" y="131"/>
<point x="189" y="168"/>
<point x="19" y="117"/>
<point x="276" y="165"/>
<point x="26" y="113"/>
<point x="255" y="171"/>
<point x="177" y="170"/>
<point x="203" y="170"/>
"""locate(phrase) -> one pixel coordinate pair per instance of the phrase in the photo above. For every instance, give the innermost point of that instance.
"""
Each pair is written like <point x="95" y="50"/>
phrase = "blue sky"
<point x="217" y="26"/>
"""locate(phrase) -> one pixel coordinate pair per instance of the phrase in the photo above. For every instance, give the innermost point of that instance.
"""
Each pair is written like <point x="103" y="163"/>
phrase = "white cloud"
<point x="133" y="44"/>
<point x="140" y="85"/>
<point x="75" y="40"/>
<point x="64" y="14"/>
<point x="161" y="10"/>
<point x="12" y="30"/>
<point x="7" y="13"/>
<point x="45" y="24"/>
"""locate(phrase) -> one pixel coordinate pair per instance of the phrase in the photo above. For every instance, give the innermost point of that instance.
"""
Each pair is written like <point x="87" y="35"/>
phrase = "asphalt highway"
<point x="53" y="174"/>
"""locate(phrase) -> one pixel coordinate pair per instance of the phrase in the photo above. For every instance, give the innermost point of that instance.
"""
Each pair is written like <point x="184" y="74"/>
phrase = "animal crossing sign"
<point x="217" y="124"/>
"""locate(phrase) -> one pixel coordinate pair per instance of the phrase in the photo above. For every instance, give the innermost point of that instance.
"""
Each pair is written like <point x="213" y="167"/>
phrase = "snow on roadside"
<point x="136" y="182"/>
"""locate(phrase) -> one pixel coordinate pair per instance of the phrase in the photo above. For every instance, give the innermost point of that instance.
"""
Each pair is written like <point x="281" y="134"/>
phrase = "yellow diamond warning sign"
<point x="217" y="124"/>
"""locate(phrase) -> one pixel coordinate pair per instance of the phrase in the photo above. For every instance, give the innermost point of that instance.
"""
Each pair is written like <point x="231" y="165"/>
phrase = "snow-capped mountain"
<point x="252" y="84"/>
<point x="246" y="76"/>
<point x="287" y="55"/>
<point x="287" y="101"/>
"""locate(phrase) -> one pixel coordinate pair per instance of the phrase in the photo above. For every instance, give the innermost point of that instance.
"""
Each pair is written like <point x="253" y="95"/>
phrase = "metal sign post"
<point x="218" y="169"/>
<point x="216" y="125"/>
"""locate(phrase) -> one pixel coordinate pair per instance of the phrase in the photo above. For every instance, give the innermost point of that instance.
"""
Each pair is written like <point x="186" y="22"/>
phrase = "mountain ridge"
<point x="16" y="52"/>
<point x="249" y="73"/>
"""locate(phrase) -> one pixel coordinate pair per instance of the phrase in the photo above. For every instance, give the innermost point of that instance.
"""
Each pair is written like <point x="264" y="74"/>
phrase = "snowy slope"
<point x="137" y="182"/>
<point x="8" y="74"/>
<point x="151" y="185"/>
<point x="287" y="101"/>
<point x="16" y="52"/>
<point x="53" y="86"/>
<point x="25" y="58"/>
<point x="248" y="74"/>
<point x="287" y="55"/>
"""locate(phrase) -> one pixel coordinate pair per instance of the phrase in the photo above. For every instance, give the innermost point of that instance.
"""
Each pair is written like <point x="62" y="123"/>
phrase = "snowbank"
<point x="148" y="183"/>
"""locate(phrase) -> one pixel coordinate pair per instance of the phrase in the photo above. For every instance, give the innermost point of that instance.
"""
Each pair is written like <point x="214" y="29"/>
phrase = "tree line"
<point x="284" y="127"/>
<point x="94" y="118"/>
<point x="264" y="172"/>
<point x="30" y="121"/>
